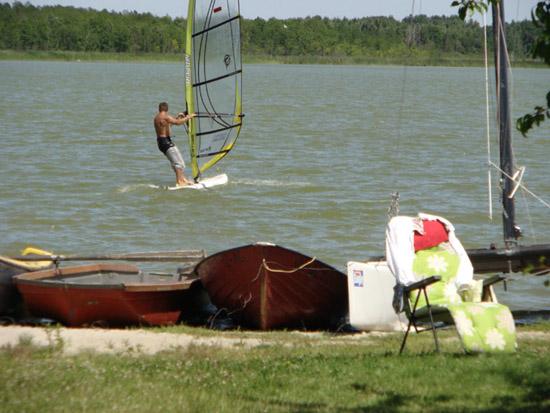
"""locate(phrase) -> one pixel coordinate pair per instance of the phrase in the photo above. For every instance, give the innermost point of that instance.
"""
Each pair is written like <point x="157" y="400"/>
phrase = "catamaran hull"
<point x="268" y="287"/>
<point x="531" y="259"/>
<point x="132" y="302"/>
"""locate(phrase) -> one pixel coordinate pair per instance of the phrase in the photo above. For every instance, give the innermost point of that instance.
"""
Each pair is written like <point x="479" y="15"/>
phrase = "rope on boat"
<point x="267" y="267"/>
<point x="212" y="319"/>
<point x="301" y="267"/>
<point x="245" y="302"/>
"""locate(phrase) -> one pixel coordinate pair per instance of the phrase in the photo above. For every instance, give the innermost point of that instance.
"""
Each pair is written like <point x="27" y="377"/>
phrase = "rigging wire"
<point x="510" y="72"/>
<point x="411" y="37"/>
<point x="487" y="116"/>
<point x="529" y="218"/>
<point x="519" y="184"/>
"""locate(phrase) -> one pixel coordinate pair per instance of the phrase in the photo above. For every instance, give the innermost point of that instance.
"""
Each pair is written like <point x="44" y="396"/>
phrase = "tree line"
<point x="57" y="28"/>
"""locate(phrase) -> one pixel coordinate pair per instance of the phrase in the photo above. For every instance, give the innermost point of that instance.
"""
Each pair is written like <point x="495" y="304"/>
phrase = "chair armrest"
<point x="422" y="283"/>
<point x="492" y="280"/>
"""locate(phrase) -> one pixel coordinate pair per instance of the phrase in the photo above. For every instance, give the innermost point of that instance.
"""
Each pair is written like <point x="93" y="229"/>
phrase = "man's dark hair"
<point x="163" y="107"/>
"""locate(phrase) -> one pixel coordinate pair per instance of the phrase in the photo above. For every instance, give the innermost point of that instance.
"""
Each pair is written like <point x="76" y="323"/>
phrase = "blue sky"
<point x="515" y="9"/>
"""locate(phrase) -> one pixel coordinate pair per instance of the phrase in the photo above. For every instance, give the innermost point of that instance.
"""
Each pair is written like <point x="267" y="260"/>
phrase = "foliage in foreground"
<point x="326" y="374"/>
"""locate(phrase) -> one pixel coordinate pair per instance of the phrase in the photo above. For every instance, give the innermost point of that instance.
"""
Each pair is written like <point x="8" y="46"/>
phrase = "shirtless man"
<point x="162" y="122"/>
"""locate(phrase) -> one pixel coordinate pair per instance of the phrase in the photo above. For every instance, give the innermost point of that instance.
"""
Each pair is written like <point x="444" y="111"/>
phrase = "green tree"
<point x="23" y="27"/>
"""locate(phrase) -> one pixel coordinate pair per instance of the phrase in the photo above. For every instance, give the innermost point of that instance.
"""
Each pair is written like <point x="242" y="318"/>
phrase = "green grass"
<point x="418" y="58"/>
<point x="291" y="372"/>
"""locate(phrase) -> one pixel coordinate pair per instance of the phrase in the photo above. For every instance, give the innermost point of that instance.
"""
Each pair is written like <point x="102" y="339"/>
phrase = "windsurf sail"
<point x="213" y="80"/>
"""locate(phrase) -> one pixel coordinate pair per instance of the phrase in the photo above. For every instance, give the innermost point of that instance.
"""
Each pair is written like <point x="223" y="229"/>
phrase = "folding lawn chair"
<point x="435" y="285"/>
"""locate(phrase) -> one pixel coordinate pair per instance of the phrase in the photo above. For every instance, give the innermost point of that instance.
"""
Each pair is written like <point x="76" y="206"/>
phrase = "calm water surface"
<point x="322" y="150"/>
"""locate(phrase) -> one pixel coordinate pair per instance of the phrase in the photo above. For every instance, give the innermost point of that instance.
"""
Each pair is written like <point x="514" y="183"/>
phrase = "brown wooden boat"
<point x="104" y="295"/>
<point x="265" y="286"/>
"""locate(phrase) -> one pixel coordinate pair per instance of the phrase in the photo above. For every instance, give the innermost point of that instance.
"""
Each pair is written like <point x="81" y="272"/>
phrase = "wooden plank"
<point x="165" y="256"/>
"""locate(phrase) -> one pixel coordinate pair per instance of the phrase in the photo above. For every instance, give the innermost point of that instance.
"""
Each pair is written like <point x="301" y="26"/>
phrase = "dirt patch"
<point x="75" y="340"/>
<point x="114" y="341"/>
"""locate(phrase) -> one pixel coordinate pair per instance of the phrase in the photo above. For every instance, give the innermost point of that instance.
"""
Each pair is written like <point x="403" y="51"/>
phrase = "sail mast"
<point x="511" y="231"/>
<point x="189" y="92"/>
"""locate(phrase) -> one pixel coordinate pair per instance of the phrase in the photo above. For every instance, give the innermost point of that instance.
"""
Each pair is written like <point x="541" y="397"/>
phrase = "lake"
<point x="321" y="151"/>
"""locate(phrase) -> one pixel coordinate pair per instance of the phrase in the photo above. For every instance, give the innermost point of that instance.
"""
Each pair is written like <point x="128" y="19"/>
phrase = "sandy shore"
<point x="77" y="340"/>
<point x="113" y="341"/>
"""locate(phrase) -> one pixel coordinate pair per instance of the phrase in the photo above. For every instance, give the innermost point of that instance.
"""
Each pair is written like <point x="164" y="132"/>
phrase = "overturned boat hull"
<point x="104" y="295"/>
<point x="265" y="286"/>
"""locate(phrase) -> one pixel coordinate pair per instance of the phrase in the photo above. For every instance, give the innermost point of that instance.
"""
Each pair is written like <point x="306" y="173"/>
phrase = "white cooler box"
<point x="370" y="287"/>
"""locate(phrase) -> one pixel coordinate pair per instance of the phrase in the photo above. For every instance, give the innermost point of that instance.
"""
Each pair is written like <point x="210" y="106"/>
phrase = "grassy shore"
<point x="287" y="372"/>
<point x="417" y="59"/>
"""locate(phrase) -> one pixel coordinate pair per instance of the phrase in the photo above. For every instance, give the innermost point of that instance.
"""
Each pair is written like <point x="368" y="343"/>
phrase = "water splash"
<point x="136" y="187"/>
<point x="271" y="182"/>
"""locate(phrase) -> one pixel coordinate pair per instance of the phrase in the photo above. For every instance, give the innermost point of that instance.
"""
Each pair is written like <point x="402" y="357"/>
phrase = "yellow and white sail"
<point x="213" y="80"/>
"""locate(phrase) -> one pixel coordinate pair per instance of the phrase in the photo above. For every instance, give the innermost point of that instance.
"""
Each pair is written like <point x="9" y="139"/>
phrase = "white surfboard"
<point x="202" y="184"/>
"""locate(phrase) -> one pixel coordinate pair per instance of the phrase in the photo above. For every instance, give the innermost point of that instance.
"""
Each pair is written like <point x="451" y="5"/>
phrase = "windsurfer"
<point x="162" y="123"/>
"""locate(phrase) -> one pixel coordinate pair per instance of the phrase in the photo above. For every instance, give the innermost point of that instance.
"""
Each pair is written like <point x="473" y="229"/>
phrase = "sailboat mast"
<point x="511" y="231"/>
<point x="189" y="91"/>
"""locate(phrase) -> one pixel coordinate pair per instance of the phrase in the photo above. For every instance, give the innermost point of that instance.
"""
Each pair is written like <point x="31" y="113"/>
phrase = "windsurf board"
<point x="202" y="184"/>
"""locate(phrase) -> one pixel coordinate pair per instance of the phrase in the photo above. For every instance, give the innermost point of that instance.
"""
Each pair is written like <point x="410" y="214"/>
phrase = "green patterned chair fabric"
<point x="438" y="295"/>
<point x="481" y="326"/>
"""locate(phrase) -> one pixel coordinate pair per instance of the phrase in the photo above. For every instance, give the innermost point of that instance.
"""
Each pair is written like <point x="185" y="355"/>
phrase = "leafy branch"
<point x="465" y="6"/>
<point x="525" y="123"/>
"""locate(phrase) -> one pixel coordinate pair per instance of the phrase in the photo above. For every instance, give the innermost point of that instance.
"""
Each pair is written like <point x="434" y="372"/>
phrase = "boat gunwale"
<point x="54" y="278"/>
<point x="263" y="244"/>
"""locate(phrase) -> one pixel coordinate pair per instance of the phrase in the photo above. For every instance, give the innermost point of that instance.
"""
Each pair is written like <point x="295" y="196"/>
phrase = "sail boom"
<point x="219" y="115"/>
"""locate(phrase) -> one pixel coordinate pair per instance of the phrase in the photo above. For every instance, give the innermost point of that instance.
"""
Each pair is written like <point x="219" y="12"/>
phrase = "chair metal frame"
<point x="422" y="286"/>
